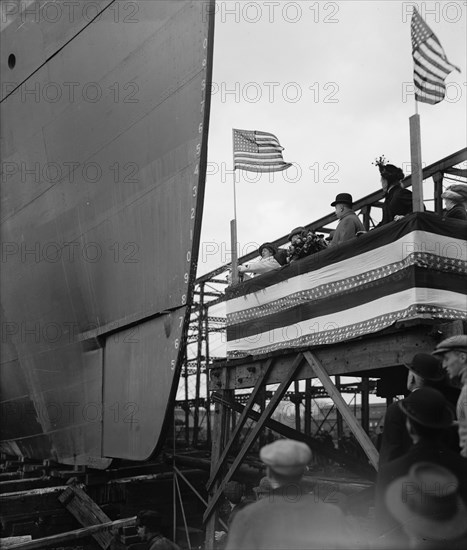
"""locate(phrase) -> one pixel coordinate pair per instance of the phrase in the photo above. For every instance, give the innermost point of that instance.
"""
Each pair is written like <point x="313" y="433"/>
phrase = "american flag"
<point x="257" y="152"/>
<point x="431" y="65"/>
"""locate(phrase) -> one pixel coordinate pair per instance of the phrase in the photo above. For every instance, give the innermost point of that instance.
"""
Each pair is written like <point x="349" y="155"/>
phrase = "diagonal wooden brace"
<point x="254" y="433"/>
<point x="241" y="421"/>
<point x="344" y="409"/>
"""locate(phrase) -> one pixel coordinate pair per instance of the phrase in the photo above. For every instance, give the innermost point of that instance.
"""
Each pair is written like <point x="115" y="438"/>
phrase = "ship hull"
<point x="104" y="151"/>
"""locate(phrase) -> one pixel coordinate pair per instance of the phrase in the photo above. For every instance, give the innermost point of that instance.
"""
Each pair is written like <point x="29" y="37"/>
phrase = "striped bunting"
<point x="431" y="66"/>
<point x="256" y="151"/>
<point x="367" y="287"/>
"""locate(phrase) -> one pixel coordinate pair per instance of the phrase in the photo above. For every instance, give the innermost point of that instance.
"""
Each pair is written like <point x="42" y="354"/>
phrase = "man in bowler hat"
<point x="427" y="415"/>
<point x="349" y="223"/>
<point x="424" y="371"/>
<point x="453" y="351"/>
<point x="288" y="517"/>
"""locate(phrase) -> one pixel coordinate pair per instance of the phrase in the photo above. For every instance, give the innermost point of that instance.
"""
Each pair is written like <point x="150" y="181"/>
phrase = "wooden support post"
<point x="297" y="405"/>
<point x="438" y="181"/>
<point x="208" y="398"/>
<point x="240" y="423"/>
<point x="335" y="395"/>
<point x="366" y="404"/>
<point x="416" y="161"/>
<point x="233" y="244"/>
<point x="261" y="400"/>
<point x="198" y="365"/>
<point x="218" y="429"/>
<point x="366" y="217"/>
<point x="340" y="425"/>
<point x="293" y="367"/>
<point x="308" y="411"/>
<point x="187" y="408"/>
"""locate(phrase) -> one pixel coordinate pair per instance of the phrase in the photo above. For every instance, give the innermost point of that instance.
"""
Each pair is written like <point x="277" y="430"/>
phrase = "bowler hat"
<point x="428" y="407"/>
<point x="287" y="457"/>
<point x="427" y="503"/>
<point x="296" y="231"/>
<point x="343" y="198"/>
<point x="270" y="246"/>
<point x="427" y="367"/>
<point x="453" y="343"/>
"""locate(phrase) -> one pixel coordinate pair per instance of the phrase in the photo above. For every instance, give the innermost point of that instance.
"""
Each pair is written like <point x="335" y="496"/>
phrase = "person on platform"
<point x="271" y="259"/>
<point x="349" y="223"/>
<point x="149" y="528"/>
<point x="289" y="518"/>
<point x="454" y="353"/>
<point x="427" y="504"/>
<point x="398" y="200"/>
<point x="428" y="416"/>
<point x="424" y="371"/>
<point x="455" y="200"/>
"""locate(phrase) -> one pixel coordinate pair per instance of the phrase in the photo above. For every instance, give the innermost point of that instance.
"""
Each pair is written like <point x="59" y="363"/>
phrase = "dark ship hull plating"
<point x="104" y="133"/>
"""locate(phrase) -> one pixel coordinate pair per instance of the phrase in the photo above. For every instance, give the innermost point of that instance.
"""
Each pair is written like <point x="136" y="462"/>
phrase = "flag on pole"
<point x="257" y="152"/>
<point x="431" y="65"/>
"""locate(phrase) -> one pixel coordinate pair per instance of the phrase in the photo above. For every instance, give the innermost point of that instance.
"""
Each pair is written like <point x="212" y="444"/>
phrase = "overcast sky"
<point x="333" y="81"/>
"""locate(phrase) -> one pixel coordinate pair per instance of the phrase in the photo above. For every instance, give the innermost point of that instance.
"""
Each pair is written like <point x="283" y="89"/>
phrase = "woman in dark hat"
<point x="398" y="200"/>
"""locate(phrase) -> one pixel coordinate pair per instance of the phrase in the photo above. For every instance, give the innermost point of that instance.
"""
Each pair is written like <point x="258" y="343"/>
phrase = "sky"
<point x="333" y="81"/>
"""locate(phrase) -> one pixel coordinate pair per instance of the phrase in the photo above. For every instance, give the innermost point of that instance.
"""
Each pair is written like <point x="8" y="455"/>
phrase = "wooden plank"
<point x="368" y="355"/>
<point x="72" y="535"/>
<point x="416" y="161"/>
<point x="344" y="409"/>
<point x="216" y="450"/>
<point x="87" y="512"/>
<point x="293" y="367"/>
<point x="240" y="422"/>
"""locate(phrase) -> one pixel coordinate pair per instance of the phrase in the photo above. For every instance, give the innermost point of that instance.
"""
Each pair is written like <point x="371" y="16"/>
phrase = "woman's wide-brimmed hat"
<point x="427" y="503"/>
<point x="269" y="246"/>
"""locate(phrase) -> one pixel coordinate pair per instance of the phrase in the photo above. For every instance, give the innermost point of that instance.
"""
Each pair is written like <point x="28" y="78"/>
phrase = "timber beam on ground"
<point x="368" y="356"/>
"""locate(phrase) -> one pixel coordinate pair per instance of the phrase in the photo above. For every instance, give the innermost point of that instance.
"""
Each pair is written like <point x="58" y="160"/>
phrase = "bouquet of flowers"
<point x="308" y="242"/>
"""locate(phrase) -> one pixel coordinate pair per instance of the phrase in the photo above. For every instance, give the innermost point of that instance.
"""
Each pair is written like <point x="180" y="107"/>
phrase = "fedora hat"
<point x="427" y="502"/>
<point x="286" y="456"/>
<point x="428" y="407"/>
<point x="270" y="246"/>
<point x="427" y="366"/>
<point x="454" y="343"/>
<point x="343" y="198"/>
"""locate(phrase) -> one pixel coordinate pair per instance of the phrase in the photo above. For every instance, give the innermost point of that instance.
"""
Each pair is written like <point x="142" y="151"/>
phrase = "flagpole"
<point x="233" y="223"/>
<point x="416" y="161"/>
